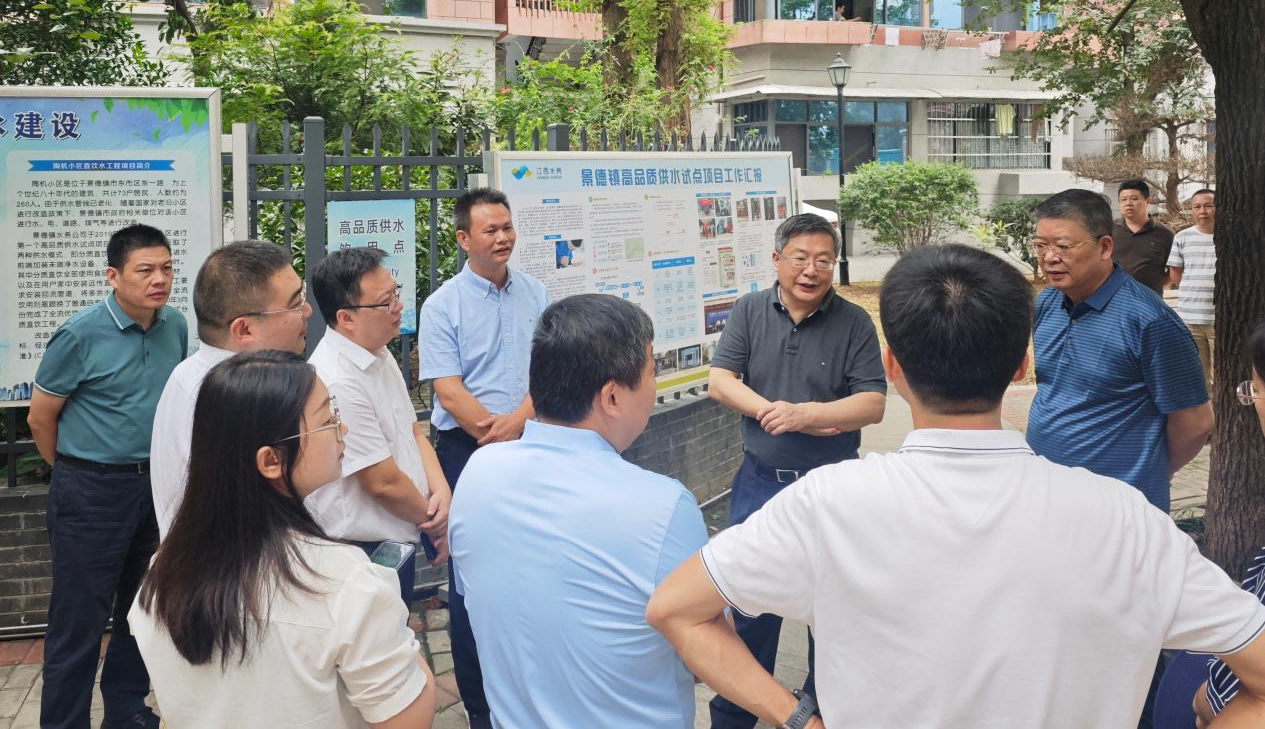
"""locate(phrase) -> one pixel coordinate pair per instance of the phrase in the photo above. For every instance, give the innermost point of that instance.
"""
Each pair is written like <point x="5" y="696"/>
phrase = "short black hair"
<point x="1139" y="185"/>
<point x="957" y="319"/>
<point x="1256" y="345"/>
<point x="581" y="343"/>
<point x="232" y="282"/>
<point x="133" y="237"/>
<point x="471" y="198"/>
<point x="1087" y="208"/>
<point x="803" y="224"/>
<point x="336" y="280"/>
<point x="1205" y="191"/>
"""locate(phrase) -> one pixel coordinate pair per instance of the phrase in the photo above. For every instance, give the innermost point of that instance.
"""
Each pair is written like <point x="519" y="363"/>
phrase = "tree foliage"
<point x="73" y="43"/>
<point x="911" y="204"/>
<point x="1010" y="226"/>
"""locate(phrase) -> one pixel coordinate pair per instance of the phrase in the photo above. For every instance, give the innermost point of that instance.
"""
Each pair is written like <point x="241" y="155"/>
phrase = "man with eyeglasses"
<point x="802" y="366"/>
<point x="247" y="297"/>
<point x="1120" y="390"/>
<point x="392" y="488"/>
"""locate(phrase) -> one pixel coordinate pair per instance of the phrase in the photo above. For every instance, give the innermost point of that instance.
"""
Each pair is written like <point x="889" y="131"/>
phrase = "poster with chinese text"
<point x="389" y="225"/>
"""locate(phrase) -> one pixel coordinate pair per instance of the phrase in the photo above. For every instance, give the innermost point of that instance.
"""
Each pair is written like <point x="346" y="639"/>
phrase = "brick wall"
<point x="693" y="440"/>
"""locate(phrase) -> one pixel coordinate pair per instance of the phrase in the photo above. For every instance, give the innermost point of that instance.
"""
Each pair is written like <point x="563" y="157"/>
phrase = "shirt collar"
<point x="213" y="353"/>
<point x="123" y="321"/>
<point x="1148" y="225"/>
<point x="967" y="442"/>
<point x="1098" y="300"/>
<point x="576" y="439"/>
<point x="358" y="355"/>
<point x="826" y="303"/>
<point x="485" y="287"/>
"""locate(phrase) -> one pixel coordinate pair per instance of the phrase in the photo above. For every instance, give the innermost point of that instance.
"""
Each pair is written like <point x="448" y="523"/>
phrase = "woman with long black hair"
<point x="250" y="615"/>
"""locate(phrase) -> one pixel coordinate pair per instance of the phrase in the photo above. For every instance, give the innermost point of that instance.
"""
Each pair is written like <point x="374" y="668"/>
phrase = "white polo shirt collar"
<point x="356" y="354"/>
<point x="967" y="442"/>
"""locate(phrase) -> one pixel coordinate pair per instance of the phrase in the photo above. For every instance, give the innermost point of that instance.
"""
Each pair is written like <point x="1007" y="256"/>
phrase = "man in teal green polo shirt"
<point x="92" y="411"/>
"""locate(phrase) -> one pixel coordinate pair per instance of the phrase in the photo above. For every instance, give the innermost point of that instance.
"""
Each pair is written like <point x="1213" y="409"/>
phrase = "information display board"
<point x="680" y="234"/>
<point x="388" y="225"/>
<point x="77" y="164"/>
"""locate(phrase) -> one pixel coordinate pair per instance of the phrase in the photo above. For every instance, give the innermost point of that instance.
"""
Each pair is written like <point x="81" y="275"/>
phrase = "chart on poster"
<point x="76" y="165"/>
<point x="680" y="234"/>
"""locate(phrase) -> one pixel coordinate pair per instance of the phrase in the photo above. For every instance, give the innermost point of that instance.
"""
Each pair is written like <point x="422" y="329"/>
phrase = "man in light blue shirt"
<point x="474" y="343"/>
<point x="559" y="527"/>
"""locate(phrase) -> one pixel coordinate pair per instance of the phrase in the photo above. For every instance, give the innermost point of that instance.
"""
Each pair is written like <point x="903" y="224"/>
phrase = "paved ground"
<point x="20" y="661"/>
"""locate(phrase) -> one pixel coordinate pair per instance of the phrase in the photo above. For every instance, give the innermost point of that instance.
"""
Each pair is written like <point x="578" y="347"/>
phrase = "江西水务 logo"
<point x="520" y="172"/>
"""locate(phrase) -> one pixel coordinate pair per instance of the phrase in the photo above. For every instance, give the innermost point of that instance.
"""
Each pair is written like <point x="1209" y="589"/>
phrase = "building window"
<point x="809" y="131"/>
<point x="805" y="9"/>
<point x="744" y="11"/>
<point x="988" y="136"/>
<point x="898" y="12"/>
<point x="946" y="14"/>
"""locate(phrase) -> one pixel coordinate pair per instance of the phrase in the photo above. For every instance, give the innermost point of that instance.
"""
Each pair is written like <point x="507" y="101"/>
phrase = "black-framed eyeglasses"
<point x="1247" y="394"/>
<point x="337" y="425"/>
<point x="1041" y="248"/>
<point x="291" y="310"/>
<point x="821" y="264"/>
<point x="386" y="304"/>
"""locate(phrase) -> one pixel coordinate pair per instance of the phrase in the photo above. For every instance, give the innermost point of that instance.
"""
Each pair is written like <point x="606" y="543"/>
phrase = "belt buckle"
<point x="142" y="469"/>
<point x="794" y="475"/>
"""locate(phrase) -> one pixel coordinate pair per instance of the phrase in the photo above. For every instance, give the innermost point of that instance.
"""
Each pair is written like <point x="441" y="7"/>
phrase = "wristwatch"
<point x="804" y="710"/>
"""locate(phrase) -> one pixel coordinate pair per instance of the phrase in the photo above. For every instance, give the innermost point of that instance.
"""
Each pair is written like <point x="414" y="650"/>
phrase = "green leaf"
<point x="91" y="35"/>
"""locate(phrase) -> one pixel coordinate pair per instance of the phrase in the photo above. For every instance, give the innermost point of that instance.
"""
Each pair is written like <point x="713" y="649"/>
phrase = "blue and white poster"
<point x="77" y="164"/>
<point x="389" y="225"/>
<point x="680" y="234"/>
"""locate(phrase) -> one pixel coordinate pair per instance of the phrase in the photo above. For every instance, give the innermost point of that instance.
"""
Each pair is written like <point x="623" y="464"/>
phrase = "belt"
<point x="781" y="475"/>
<point x="140" y="469"/>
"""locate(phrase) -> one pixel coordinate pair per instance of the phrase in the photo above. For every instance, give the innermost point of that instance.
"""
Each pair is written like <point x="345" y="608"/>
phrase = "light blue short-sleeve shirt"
<point x="560" y="543"/>
<point x="111" y="372"/>
<point x="472" y="329"/>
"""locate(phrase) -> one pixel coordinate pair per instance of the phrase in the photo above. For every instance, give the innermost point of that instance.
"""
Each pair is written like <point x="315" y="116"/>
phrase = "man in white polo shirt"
<point x="392" y="485"/>
<point x="963" y="581"/>
<point x="247" y="297"/>
<point x="1192" y="267"/>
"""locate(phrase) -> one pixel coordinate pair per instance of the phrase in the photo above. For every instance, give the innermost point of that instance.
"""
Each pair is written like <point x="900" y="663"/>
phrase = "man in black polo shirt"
<point x="1141" y="244"/>
<point x="802" y="366"/>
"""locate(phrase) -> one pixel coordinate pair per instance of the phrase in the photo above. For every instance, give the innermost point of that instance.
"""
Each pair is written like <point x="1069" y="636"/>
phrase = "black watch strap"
<point x="804" y="710"/>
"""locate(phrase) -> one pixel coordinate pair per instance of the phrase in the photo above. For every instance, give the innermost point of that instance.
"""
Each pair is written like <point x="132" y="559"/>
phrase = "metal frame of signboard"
<point x="671" y="385"/>
<point x="214" y="127"/>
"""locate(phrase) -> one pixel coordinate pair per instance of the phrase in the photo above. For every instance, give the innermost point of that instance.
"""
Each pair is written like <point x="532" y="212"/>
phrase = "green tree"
<point x="1140" y="72"/>
<point x="73" y="43"/>
<point x="1011" y="226"/>
<point x="911" y="204"/>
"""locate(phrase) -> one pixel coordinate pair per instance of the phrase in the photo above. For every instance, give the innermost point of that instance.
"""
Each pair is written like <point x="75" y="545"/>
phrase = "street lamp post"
<point x="839" y="71"/>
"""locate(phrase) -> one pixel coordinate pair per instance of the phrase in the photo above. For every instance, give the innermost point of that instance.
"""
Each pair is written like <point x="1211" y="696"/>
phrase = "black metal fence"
<point x="288" y="187"/>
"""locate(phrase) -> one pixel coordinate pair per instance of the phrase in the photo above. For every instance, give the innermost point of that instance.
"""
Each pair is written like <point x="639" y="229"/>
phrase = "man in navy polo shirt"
<point x="91" y="414"/>
<point x="1120" y="390"/>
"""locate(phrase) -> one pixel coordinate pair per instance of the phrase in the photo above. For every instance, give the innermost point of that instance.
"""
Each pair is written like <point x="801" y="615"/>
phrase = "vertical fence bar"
<point x="252" y="179"/>
<point x="377" y="158"/>
<point x="558" y="138"/>
<point x="241" y="182"/>
<point x="346" y="153"/>
<point x="314" y="214"/>
<point x="407" y="343"/>
<point x="287" y="207"/>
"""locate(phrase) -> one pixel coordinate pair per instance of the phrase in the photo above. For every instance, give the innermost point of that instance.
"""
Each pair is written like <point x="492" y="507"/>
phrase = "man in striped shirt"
<point x="1192" y="266"/>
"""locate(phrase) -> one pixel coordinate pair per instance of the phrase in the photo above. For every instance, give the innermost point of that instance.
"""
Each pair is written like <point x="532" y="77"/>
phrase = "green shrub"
<point x="911" y="204"/>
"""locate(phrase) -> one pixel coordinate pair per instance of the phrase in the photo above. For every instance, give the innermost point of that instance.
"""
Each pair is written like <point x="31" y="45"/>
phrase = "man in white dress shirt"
<point x="392" y="486"/>
<point x="963" y="581"/>
<point x="247" y="297"/>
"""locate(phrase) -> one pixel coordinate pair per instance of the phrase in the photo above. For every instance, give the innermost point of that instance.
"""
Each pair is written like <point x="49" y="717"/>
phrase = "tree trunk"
<point x="1230" y="33"/>
<point x="615" y="36"/>
<point x="668" y="62"/>
<point x="1173" y="176"/>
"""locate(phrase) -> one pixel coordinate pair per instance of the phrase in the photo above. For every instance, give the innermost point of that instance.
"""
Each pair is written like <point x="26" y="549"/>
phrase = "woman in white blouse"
<point x="250" y="616"/>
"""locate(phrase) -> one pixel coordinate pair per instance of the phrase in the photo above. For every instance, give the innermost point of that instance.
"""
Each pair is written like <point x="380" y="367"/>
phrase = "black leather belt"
<point x="781" y="475"/>
<point x="140" y="469"/>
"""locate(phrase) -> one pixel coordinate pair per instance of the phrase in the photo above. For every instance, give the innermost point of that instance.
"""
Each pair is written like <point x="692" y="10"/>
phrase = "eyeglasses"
<point x="291" y="310"/>
<point x="1041" y="248"/>
<point x="821" y="264"/>
<point x="337" y="425"/>
<point x="384" y="305"/>
<point x="1246" y="393"/>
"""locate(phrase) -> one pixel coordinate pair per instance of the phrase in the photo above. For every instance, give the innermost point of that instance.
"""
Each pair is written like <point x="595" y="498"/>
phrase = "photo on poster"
<point x="768" y="208"/>
<point x="756" y="209"/>
<point x="707" y="228"/>
<point x="724" y="206"/>
<point x="689" y="357"/>
<point x="709" y="351"/>
<point x="715" y="315"/>
<point x="665" y="363"/>
<point x="724" y="226"/>
<point x="727" y="273"/>
<point x="781" y="207"/>
<point x="634" y="249"/>
<point x="715" y="216"/>
<point x="569" y="253"/>
<point x="742" y="209"/>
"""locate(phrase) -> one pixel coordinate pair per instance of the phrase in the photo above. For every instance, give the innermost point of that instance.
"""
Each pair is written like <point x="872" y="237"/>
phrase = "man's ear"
<point x="891" y="367"/>
<point x="607" y="399"/>
<point x="1023" y="368"/>
<point x="240" y="330"/>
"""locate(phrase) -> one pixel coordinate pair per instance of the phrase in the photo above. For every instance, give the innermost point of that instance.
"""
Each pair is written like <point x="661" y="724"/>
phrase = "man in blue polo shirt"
<point x="1120" y="390"/>
<point x="474" y="343"/>
<point x="91" y="415"/>
<point x="558" y="527"/>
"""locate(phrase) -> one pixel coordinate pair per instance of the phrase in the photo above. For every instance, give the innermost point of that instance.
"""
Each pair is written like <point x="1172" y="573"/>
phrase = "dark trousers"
<point x="407" y="573"/>
<point x="750" y="491"/>
<point x="102" y="531"/>
<point x="454" y="448"/>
